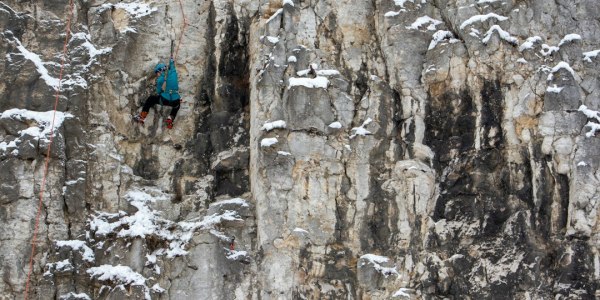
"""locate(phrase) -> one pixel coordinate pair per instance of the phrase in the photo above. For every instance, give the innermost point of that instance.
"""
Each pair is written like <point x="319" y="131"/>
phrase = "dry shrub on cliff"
<point x="274" y="6"/>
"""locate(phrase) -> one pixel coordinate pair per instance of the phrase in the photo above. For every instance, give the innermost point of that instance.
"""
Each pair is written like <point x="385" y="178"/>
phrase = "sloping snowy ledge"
<point x="528" y="44"/>
<point x="501" y="33"/>
<point x="422" y="21"/>
<point x="361" y="129"/>
<point x="317" y="82"/>
<point x="319" y="72"/>
<point x="591" y="114"/>
<point x="44" y="119"/>
<point x="482" y="18"/>
<point x="376" y="261"/>
<point x="268" y="142"/>
<point x="86" y="252"/>
<point x="273" y="125"/>
<point x="440" y="36"/>
<point x="560" y="65"/>
<point x="587" y="56"/>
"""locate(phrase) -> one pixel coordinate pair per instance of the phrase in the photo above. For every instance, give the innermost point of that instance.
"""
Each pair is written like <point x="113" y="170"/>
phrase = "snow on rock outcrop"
<point x="422" y="21"/>
<point x="481" y="18"/>
<point x="279" y="124"/>
<point x="440" y="36"/>
<point x="501" y="33"/>
<point x="593" y="125"/>
<point x="147" y="223"/>
<point x="317" y="82"/>
<point x="404" y="149"/>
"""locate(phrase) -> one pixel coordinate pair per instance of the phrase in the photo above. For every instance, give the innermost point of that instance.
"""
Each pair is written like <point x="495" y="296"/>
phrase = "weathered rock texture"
<point x="437" y="149"/>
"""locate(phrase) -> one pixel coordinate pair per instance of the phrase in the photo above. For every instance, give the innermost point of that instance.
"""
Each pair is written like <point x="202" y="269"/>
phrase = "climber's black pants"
<point x="156" y="99"/>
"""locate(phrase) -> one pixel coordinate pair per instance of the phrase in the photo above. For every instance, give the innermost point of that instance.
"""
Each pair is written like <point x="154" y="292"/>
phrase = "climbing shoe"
<point x="140" y="118"/>
<point x="169" y="122"/>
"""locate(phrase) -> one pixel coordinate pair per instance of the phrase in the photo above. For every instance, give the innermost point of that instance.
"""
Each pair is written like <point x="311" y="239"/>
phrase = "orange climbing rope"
<point x="47" y="161"/>
<point x="182" y="30"/>
<point x="42" y="188"/>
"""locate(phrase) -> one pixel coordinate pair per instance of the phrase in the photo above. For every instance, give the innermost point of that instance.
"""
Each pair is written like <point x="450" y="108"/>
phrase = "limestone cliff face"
<point x="421" y="149"/>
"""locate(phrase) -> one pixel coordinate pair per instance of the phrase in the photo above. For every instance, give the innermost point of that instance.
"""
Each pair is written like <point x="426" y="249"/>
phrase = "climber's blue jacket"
<point x="171" y="92"/>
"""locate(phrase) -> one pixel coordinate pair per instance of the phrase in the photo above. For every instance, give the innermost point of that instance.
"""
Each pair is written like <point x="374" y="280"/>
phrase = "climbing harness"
<point x="46" y="164"/>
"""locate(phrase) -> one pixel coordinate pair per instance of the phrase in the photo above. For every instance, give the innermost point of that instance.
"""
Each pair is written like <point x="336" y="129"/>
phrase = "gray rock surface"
<point x="437" y="150"/>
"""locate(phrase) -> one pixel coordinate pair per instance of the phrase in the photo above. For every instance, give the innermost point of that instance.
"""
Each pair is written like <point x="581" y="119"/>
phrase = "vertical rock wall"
<point x="372" y="150"/>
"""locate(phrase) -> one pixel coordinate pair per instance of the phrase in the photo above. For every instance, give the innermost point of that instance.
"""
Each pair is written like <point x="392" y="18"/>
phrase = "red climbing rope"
<point x="42" y="188"/>
<point x="182" y="30"/>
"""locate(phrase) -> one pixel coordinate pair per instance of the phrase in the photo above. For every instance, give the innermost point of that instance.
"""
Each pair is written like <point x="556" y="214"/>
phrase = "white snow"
<point x="375" y="258"/>
<point x="440" y="36"/>
<point x="143" y="196"/>
<point x="421" y="21"/>
<point x="503" y="35"/>
<point x="72" y="295"/>
<point x="86" y="252"/>
<point x="63" y="265"/>
<point x="588" y="55"/>
<point x="147" y="222"/>
<point x="135" y="9"/>
<point x="157" y="289"/>
<point x="292" y="59"/>
<point x="522" y="60"/>
<point x="279" y="11"/>
<point x="236" y="201"/>
<point x="127" y="29"/>
<point x="401" y="2"/>
<point x="283" y="153"/>
<point x="482" y="18"/>
<point x="273" y="125"/>
<point x="335" y="125"/>
<point x="59" y="266"/>
<point x="402" y="291"/>
<point x="559" y="66"/>
<point x="101" y="226"/>
<point x="288" y="2"/>
<point x="591" y="114"/>
<point x="122" y="274"/>
<point x="486" y="1"/>
<point x="554" y="89"/>
<point x="273" y="39"/>
<point x="300" y="230"/>
<point x="361" y="129"/>
<point x="328" y="72"/>
<point x="390" y="14"/>
<point x="529" y="42"/>
<point x="235" y="255"/>
<point x="548" y="50"/>
<point x="474" y="33"/>
<point x="376" y="261"/>
<point x="140" y="224"/>
<point x="569" y="38"/>
<point x="91" y="49"/>
<point x="39" y="65"/>
<point x="317" y="82"/>
<point x="581" y="164"/>
<point x="319" y="72"/>
<point x="43" y="120"/>
<point x="268" y="142"/>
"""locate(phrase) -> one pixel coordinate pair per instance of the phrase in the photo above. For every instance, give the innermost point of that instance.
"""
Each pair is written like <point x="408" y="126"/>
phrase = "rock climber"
<point x="167" y="93"/>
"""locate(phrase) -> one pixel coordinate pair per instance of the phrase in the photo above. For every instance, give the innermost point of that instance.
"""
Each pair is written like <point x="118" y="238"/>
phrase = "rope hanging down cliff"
<point x="51" y="140"/>
<point x="43" y="185"/>
<point x="185" y="24"/>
